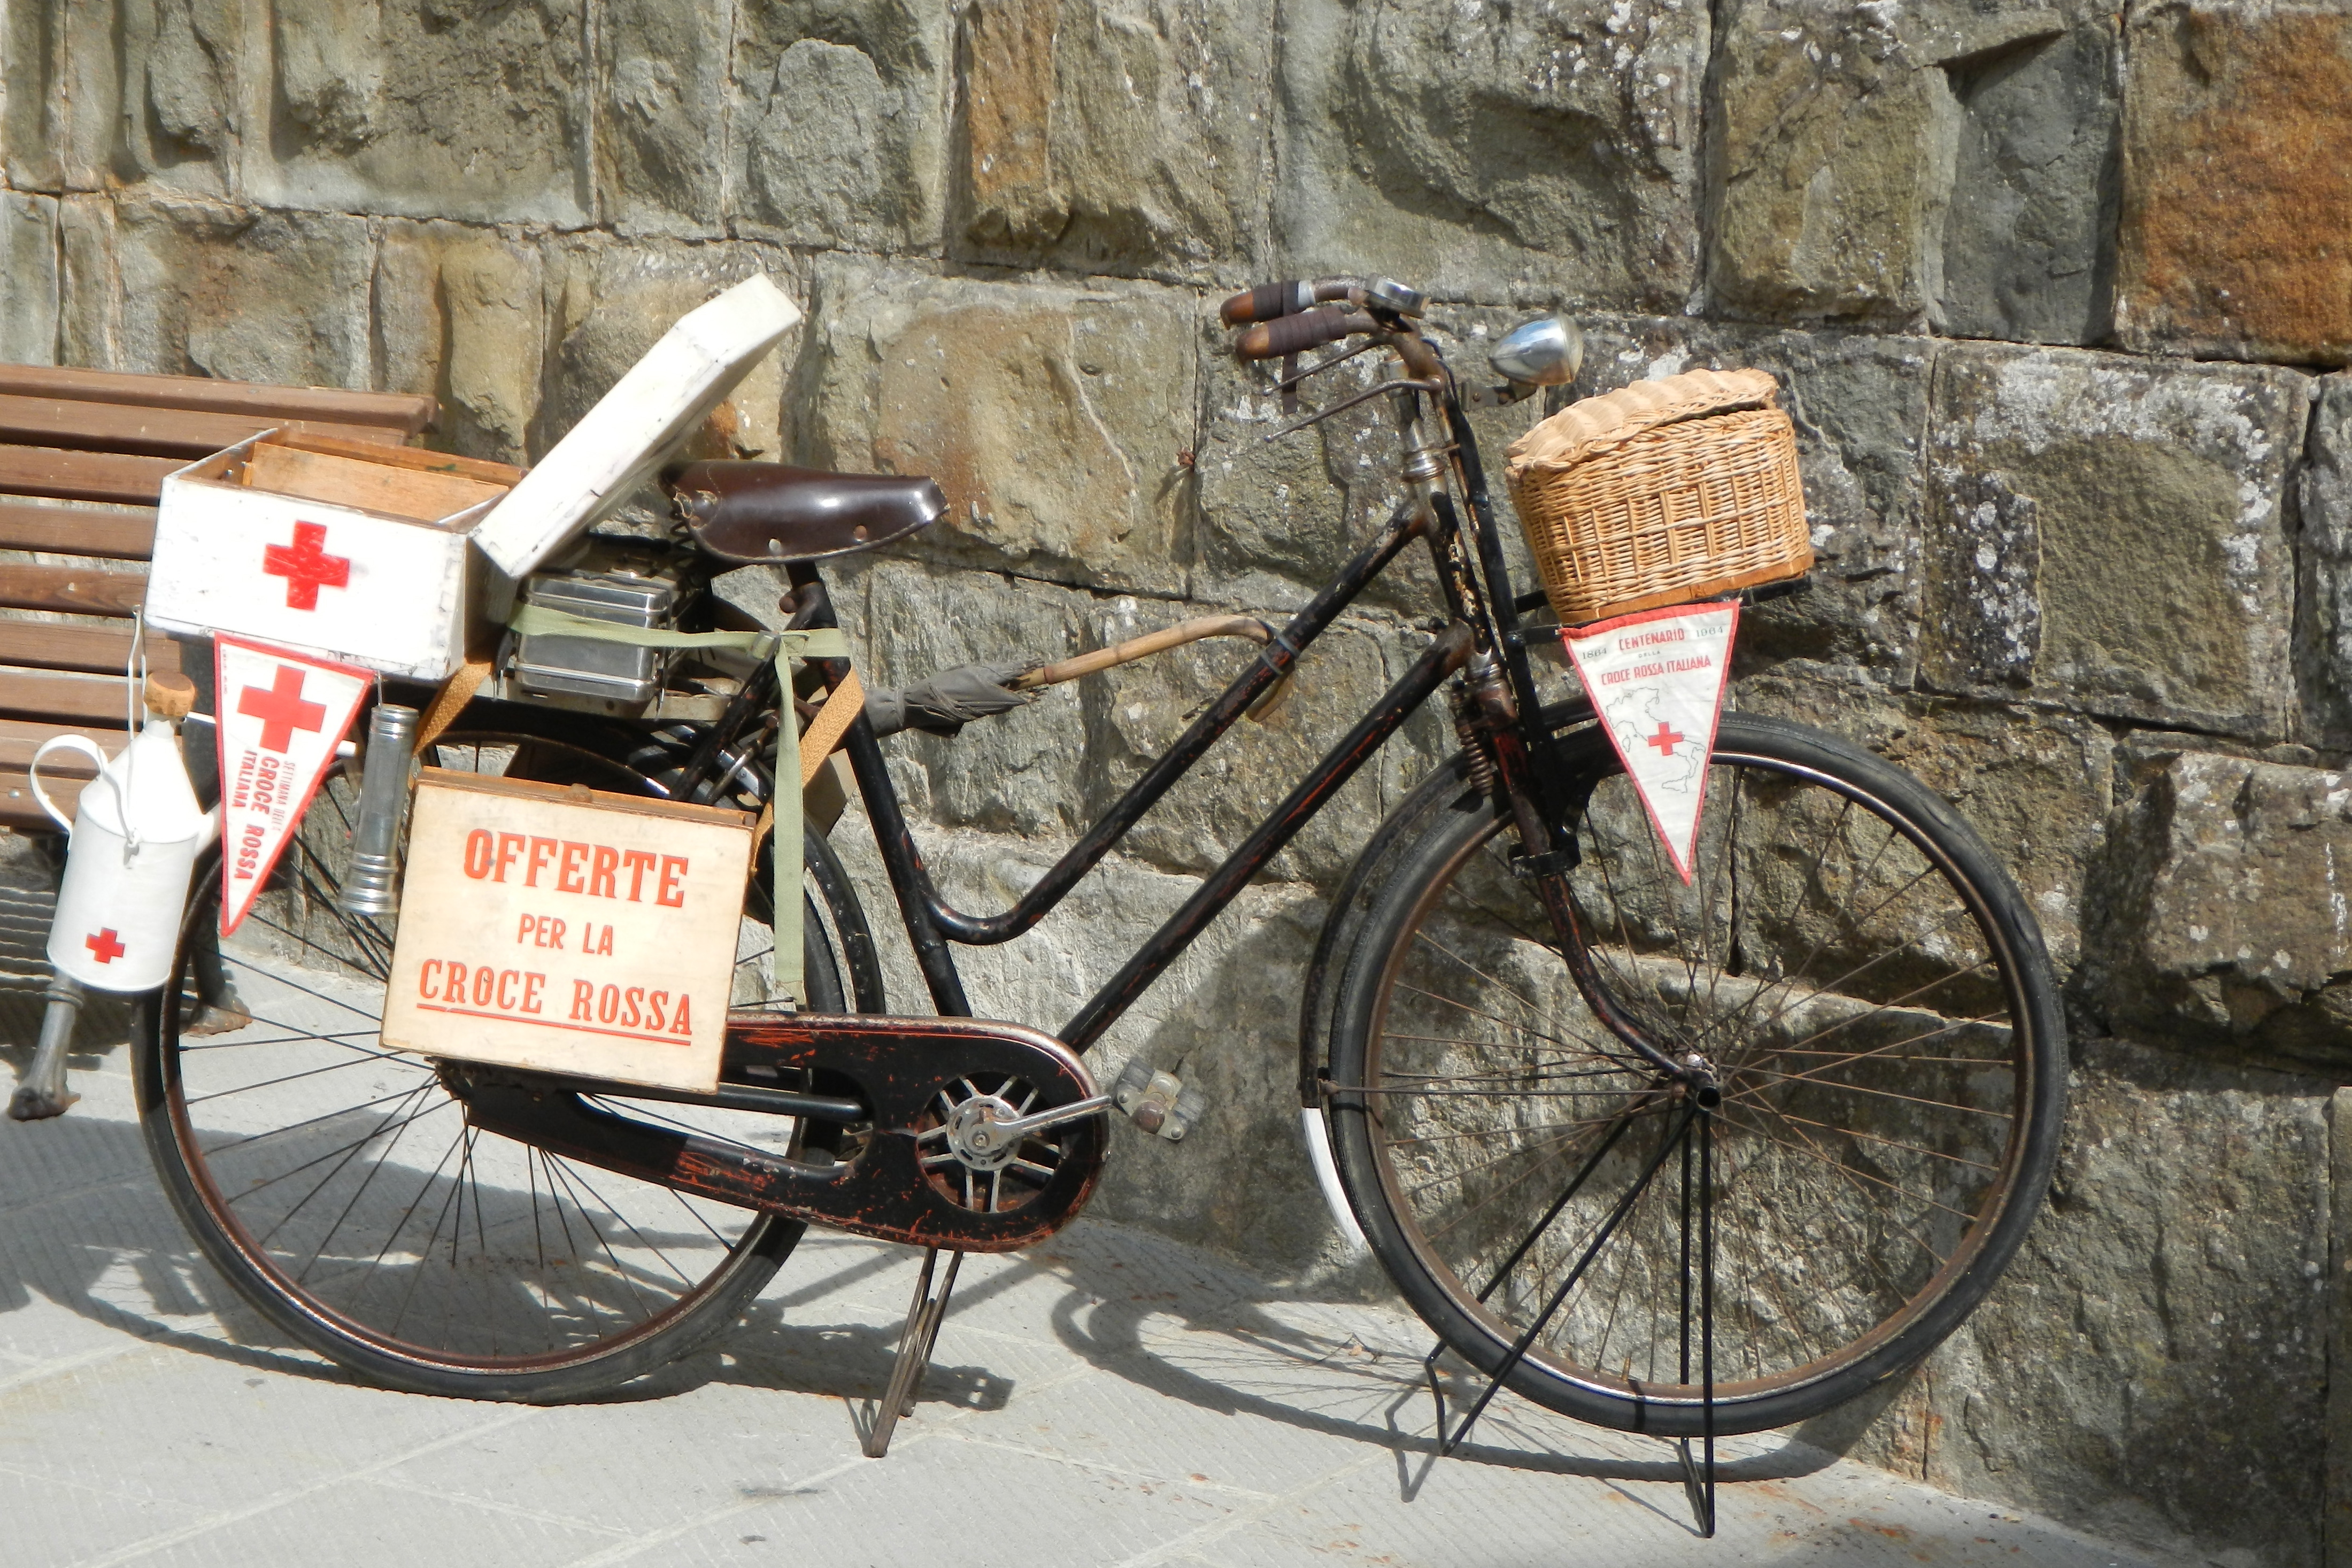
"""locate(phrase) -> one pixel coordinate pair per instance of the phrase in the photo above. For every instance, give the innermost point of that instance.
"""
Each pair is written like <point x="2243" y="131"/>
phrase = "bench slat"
<point x="119" y="533"/>
<point x="151" y="431"/>
<point x="20" y="737"/>
<point x="59" y="693"/>
<point x="83" y="475"/>
<point x="81" y="590"/>
<point x="386" y="411"/>
<point x="97" y="649"/>
<point x="18" y="809"/>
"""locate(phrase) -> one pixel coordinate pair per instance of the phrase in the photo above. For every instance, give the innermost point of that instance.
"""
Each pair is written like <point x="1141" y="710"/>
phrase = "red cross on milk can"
<point x="135" y="832"/>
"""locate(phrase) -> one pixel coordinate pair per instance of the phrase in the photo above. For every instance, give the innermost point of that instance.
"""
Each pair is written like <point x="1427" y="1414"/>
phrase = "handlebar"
<point x="1269" y="301"/>
<point x="1296" y="334"/>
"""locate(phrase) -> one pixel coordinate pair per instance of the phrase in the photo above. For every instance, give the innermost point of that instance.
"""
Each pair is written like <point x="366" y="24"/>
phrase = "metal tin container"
<point x="583" y="667"/>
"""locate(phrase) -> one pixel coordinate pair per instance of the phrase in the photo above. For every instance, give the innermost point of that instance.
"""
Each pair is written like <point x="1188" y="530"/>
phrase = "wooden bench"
<point x="82" y="459"/>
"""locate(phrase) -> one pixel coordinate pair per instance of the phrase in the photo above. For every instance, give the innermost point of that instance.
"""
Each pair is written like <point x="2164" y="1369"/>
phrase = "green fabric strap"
<point x="817" y="643"/>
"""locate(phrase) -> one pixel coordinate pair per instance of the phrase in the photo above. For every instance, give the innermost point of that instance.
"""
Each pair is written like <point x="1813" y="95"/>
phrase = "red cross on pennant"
<point x="106" y="945"/>
<point x="280" y="708"/>
<point x="306" y="566"/>
<point x="1666" y="740"/>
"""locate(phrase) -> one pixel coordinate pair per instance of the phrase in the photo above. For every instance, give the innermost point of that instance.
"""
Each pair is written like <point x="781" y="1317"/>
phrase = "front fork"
<point x="1496" y="738"/>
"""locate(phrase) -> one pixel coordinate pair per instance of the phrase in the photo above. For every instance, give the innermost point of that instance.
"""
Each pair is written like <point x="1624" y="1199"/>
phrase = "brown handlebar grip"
<point x="1265" y="302"/>
<point x="1294" y="334"/>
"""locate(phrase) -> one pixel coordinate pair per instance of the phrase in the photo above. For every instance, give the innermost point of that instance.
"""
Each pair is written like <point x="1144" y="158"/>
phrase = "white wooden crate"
<point x="308" y="545"/>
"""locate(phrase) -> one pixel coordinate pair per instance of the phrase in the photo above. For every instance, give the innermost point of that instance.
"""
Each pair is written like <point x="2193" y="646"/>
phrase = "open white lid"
<point x="619" y="444"/>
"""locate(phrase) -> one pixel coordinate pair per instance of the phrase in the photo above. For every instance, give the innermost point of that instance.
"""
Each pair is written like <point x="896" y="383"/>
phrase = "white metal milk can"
<point x="136" y="837"/>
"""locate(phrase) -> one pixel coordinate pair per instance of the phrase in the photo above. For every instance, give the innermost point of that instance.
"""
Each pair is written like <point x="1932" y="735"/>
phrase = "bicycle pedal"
<point x="1158" y="1101"/>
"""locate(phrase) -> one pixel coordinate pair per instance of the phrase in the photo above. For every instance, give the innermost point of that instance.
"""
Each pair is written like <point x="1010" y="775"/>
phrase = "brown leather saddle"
<point x="744" y="513"/>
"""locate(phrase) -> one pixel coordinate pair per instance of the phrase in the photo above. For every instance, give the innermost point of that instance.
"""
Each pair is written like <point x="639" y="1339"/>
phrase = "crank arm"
<point x="1023" y="1126"/>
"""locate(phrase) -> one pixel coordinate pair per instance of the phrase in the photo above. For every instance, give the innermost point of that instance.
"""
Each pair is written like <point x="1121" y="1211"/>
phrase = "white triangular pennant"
<point x="280" y="717"/>
<point x="1656" y="679"/>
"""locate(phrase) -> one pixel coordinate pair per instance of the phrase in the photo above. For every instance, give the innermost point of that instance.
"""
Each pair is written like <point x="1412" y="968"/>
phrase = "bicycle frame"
<point x="1498" y="707"/>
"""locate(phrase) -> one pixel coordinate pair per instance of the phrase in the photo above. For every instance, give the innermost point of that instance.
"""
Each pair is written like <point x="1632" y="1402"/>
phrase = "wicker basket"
<point x="1662" y="493"/>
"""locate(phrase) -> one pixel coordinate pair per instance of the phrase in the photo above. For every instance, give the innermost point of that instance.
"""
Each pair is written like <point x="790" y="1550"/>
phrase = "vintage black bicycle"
<point x="1681" y="1158"/>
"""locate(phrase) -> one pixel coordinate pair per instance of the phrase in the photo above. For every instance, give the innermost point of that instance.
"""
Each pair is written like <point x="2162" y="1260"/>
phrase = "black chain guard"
<point x="895" y="1067"/>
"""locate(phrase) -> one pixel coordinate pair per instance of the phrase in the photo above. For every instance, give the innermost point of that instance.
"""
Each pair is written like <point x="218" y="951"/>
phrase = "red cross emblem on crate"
<point x="306" y="566"/>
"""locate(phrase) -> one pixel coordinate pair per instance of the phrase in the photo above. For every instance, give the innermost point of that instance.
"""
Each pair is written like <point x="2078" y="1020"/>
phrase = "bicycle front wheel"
<point x="1871" y="996"/>
<point x="337" y="1185"/>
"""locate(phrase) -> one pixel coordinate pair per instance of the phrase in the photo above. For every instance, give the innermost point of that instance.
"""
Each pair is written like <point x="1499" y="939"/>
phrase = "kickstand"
<point x="1693" y="1139"/>
<point x="915" y="1339"/>
<point x="1699" y="1475"/>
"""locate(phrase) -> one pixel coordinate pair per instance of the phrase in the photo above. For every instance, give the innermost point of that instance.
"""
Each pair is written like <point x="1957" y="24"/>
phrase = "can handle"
<point x="80" y="743"/>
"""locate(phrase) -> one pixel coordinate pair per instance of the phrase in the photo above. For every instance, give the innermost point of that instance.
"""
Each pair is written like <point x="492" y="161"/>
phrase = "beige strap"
<point x="841" y="706"/>
<point x="450" y="701"/>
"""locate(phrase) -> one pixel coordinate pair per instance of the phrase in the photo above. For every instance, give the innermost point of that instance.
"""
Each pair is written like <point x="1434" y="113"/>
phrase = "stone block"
<point x="246" y="296"/>
<point x="2028" y="246"/>
<point x="2110" y="534"/>
<point x="1822" y="170"/>
<point x="606" y="304"/>
<point x="841" y="129"/>
<point x="661" y="92"/>
<point x="1856" y="151"/>
<point x="1494" y="153"/>
<point x="183" y="89"/>
<point x="89" y="295"/>
<point x="1859" y="402"/>
<point x="2323" y="637"/>
<point x="2221" y="919"/>
<point x="64" y="94"/>
<point x="1017" y="773"/>
<point x="461" y="313"/>
<point x="31" y="111"/>
<point x="1052" y="416"/>
<point x="2154" y="1364"/>
<point x="1121" y="137"/>
<point x="29" y="269"/>
<point x="2036" y="787"/>
<point x="1135" y="713"/>
<point x="435" y="110"/>
<point x="2237" y="184"/>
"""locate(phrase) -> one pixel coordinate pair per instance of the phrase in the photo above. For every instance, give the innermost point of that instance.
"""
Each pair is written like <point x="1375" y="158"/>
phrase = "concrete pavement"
<point x="1106" y="1399"/>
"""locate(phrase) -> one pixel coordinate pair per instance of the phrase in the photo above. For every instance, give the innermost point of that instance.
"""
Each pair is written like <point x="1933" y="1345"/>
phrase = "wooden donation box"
<point x="563" y="929"/>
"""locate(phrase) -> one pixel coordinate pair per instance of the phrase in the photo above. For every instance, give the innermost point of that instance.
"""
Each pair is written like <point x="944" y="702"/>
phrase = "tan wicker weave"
<point x="1664" y="492"/>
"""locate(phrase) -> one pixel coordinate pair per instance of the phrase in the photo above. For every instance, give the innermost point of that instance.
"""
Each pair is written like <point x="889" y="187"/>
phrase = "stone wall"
<point x="2056" y="294"/>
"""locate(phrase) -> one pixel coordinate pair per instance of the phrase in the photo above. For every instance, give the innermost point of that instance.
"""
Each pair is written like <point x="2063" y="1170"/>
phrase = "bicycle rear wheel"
<point x="336" y="1185"/>
<point x="1873" y="1001"/>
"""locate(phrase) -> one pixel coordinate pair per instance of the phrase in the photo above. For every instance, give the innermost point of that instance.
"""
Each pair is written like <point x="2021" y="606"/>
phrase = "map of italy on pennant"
<point x="279" y="718"/>
<point x="1656" y="679"/>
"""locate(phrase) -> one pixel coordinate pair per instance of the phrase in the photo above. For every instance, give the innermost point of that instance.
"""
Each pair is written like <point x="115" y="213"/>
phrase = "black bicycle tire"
<point x="1470" y="1334"/>
<point x="712" y="1308"/>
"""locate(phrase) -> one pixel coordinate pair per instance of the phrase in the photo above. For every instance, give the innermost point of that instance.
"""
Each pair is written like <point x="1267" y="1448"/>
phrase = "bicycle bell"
<point x="1388" y="294"/>
<point x="1545" y="352"/>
